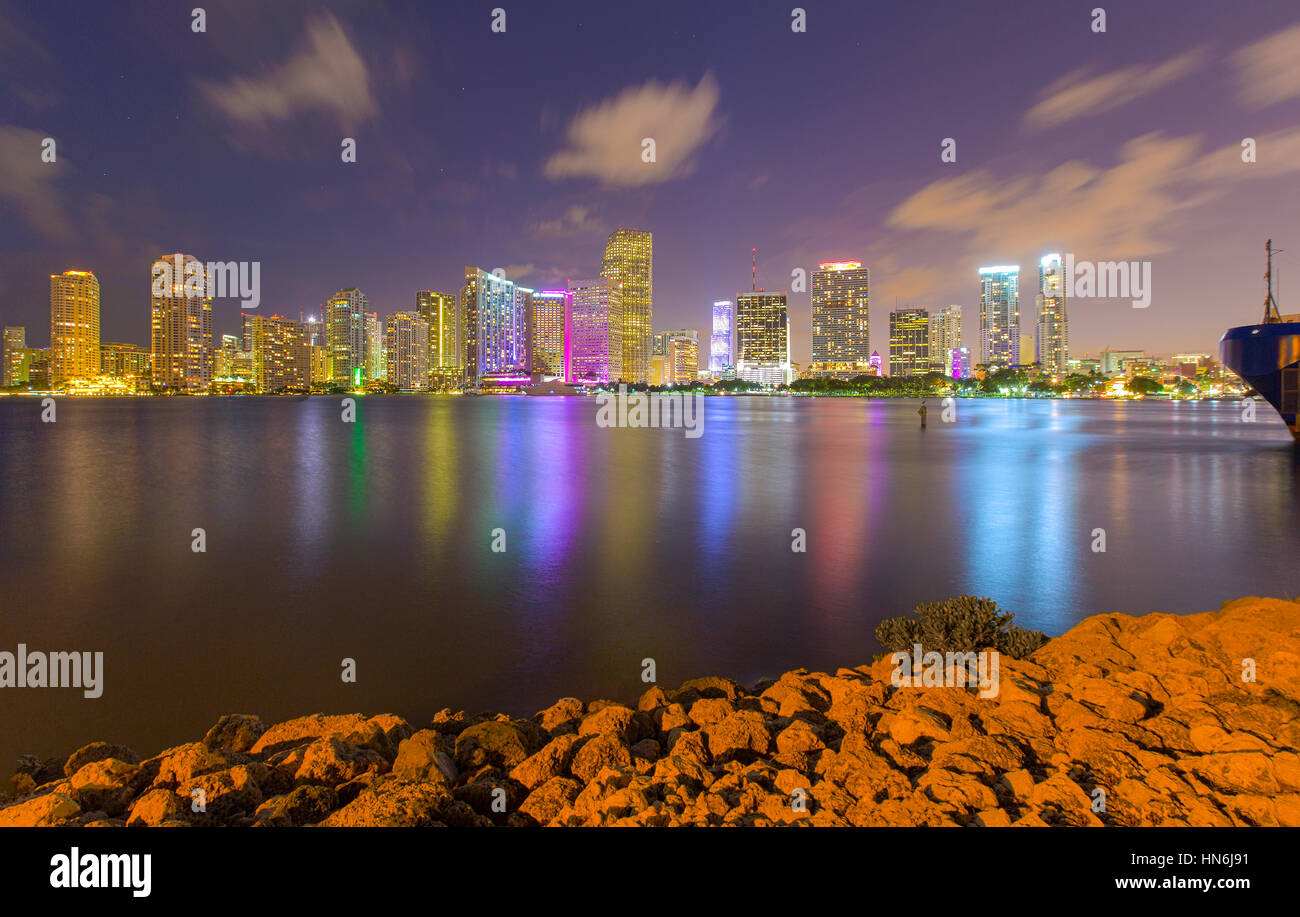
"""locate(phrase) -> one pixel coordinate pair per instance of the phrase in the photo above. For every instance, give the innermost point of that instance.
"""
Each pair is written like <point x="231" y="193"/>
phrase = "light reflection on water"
<point x="372" y="541"/>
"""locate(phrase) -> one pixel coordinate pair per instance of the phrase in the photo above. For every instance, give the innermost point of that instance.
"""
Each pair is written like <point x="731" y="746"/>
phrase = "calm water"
<point x="372" y="540"/>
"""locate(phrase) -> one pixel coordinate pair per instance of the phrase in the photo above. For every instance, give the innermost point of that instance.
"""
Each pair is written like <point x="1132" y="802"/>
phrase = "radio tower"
<point x="754" y="286"/>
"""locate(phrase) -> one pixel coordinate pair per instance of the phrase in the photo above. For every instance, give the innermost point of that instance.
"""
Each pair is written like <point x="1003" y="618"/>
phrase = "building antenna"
<point x="754" y="285"/>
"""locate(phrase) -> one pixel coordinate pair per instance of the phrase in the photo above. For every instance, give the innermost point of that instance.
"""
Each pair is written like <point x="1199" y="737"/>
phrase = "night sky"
<point x="522" y="150"/>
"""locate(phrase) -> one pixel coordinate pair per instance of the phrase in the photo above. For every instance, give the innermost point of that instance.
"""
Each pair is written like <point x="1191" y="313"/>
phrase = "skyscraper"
<point x="74" y="326"/>
<point x="408" y="351"/>
<point x="180" y="327"/>
<point x="763" y="338"/>
<point x="596" y="325"/>
<point x="495" y="325"/>
<point x="548" y="326"/>
<point x="345" y="336"/>
<point x="376" y="362"/>
<point x="629" y="263"/>
<point x="945" y="337"/>
<point x="722" y="345"/>
<point x="15" y="342"/>
<point x="1000" y="314"/>
<point x="909" y="342"/>
<point x="841" y="305"/>
<point x="1053" y="325"/>
<point x="280" y="352"/>
<point x="684" y="357"/>
<point x="439" y="312"/>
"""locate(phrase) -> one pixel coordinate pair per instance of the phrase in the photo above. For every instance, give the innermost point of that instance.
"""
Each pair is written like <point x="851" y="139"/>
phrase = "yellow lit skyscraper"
<point x="74" y="326"/>
<point x="909" y="342"/>
<point x="408" y="351"/>
<point x="1053" y="325"/>
<point x="763" y="338"/>
<point x="439" y="312"/>
<point x="629" y="263"/>
<point x="180" y="324"/>
<point x="841" y="312"/>
<point x="281" y="356"/>
<point x="547" y="328"/>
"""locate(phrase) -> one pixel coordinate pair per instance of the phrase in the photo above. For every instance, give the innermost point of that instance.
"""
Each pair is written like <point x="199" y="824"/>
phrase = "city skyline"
<point x="1115" y="141"/>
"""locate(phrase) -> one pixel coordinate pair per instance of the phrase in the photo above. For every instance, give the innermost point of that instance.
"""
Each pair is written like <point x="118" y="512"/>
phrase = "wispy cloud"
<point x="1126" y="210"/>
<point x="326" y="75"/>
<point x="1269" y="69"/>
<point x="28" y="182"/>
<point x="605" y="140"/>
<point x="1077" y="95"/>
<point x="576" y="220"/>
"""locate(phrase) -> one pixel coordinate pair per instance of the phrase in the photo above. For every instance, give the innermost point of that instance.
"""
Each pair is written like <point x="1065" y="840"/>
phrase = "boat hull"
<point x="1268" y="358"/>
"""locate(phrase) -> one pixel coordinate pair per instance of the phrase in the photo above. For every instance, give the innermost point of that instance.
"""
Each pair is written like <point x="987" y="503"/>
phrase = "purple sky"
<point x="522" y="149"/>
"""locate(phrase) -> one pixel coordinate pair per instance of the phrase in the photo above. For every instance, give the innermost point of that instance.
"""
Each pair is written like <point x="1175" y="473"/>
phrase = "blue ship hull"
<point x="1268" y="358"/>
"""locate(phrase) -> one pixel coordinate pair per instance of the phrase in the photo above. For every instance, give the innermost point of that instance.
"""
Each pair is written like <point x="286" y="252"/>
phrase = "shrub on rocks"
<point x="960" y="625"/>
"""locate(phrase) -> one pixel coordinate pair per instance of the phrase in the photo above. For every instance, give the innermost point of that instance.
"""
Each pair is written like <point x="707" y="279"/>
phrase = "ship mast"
<point x="1271" y="311"/>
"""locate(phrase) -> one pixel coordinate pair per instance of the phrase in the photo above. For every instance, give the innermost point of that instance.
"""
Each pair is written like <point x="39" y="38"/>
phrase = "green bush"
<point x="961" y="625"/>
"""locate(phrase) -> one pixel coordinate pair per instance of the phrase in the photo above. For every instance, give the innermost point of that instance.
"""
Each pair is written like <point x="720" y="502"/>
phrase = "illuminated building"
<point x="909" y="342"/>
<point x="408" y="351"/>
<point x="439" y="312"/>
<point x="15" y="365"/>
<point x="722" y="344"/>
<point x="180" y="329"/>
<point x="596" y="324"/>
<point x="1118" y="361"/>
<point x="376" y="362"/>
<point x="763" y="338"/>
<point x="960" y="368"/>
<point x="345" y="336"/>
<point x="841" y="305"/>
<point x="125" y="361"/>
<point x="1053" y="351"/>
<point x="659" y="372"/>
<point x="629" y="264"/>
<point x="494" y="312"/>
<point x="74" y="326"/>
<point x="548" y="324"/>
<point x="945" y="337"/>
<point x="280" y="354"/>
<point x="875" y="362"/>
<point x="1000" y="315"/>
<point x="683" y="357"/>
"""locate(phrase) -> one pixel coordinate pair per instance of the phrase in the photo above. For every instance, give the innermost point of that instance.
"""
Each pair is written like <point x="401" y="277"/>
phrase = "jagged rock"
<point x="97" y="751"/>
<point x="553" y="760"/>
<point x="597" y="753"/>
<point x="330" y="762"/>
<point x="107" y="785"/>
<point x="235" y="731"/>
<point x="424" y="757"/>
<point x="501" y="744"/>
<point x="304" y="730"/>
<point x="155" y="808"/>
<point x="40" y="812"/>
<point x="306" y="805"/>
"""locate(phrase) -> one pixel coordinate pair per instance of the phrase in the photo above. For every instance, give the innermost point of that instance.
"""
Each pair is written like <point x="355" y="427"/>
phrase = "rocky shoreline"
<point x="1121" y="721"/>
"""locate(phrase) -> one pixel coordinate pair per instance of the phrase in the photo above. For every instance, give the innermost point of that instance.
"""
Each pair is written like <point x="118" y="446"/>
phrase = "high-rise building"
<point x="763" y="338"/>
<point x="945" y="337"/>
<point x="376" y="361"/>
<point x="684" y="357"/>
<point x="1000" y="315"/>
<point x="629" y="263"/>
<point x="408" y="351"/>
<point x="960" y="367"/>
<point x="909" y="342"/>
<point x="280" y="354"/>
<point x="596" y="326"/>
<point x="1053" y="325"/>
<point x="15" y="367"/>
<point x="439" y="311"/>
<point x="345" y="337"/>
<point x="180" y="329"/>
<point x="548" y="332"/>
<point x="494" y="314"/>
<point x="841" y="307"/>
<point x="74" y="326"/>
<point x="722" y="343"/>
